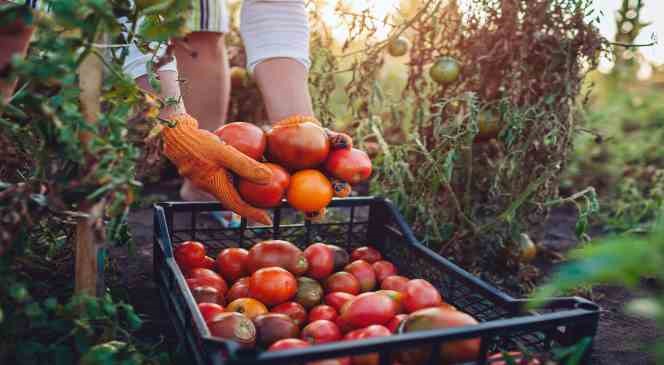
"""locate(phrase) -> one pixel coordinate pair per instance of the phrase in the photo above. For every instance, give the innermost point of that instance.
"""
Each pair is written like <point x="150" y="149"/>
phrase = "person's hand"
<point x="203" y="158"/>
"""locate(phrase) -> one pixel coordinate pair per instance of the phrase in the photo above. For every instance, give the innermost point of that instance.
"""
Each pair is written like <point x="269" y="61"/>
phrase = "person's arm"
<point x="276" y="39"/>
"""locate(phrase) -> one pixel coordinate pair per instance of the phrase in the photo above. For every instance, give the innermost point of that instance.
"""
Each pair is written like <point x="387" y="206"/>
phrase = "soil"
<point x="621" y="339"/>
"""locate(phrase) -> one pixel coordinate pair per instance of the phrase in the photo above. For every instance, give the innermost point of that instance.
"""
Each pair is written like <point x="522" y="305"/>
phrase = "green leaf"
<point x="154" y="82"/>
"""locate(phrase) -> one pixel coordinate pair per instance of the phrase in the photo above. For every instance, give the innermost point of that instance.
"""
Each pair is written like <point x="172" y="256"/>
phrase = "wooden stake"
<point x="90" y="74"/>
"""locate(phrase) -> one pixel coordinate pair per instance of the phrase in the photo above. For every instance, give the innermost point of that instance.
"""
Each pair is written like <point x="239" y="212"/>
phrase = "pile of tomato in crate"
<point x="275" y="297"/>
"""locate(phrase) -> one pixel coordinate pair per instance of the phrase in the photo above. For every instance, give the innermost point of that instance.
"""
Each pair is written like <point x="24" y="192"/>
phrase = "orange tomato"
<point x="309" y="191"/>
<point x="250" y="307"/>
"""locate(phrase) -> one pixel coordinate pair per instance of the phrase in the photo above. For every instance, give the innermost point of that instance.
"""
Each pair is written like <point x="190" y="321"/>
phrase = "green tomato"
<point x="527" y="249"/>
<point x="445" y="71"/>
<point x="398" y="47"/>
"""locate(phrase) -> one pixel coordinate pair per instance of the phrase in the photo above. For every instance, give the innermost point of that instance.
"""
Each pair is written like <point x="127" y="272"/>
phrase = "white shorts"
<point x="269" y="29"/>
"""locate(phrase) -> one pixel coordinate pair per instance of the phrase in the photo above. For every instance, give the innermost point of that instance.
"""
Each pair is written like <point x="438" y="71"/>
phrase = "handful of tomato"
<point x="309" y="164"/>
<point x="277" y="297"/>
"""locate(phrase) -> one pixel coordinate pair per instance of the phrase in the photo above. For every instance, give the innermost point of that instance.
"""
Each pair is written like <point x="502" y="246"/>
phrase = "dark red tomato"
<point x="394" y="323"/>
<point x="189" y="255"/>
<point x="288" y="343"/>
<point x="321" y="260"/>
<point x="321" y="332"/>
<point x="272" y="285"/>
<point x="234" y="326"/>
<point x="272" y="327"/>
<point x="239" y="290"/>
<point x="232" y="263"/>
<point x="420" y="294"/>
<point x="370" y="332"/>
<point x="366" y="253"/>
<point x="215" y="282"/>
<point x="337" y="299"/>
<point x="210" y="310"/>
<point x="277" y="253"/>
<point x="364" y="273"/>
<point x="394" y="282"/>
<point x="210" y="264"/>
<point x="245" y="137"/>
<point x="342" y="282"/>
<point x="266" y="195"/>
<point x="383" y="269"/>
<point x="351" y="165"/>
<point x="207" y="294"/>
<point x="341" y="257"/>
<point x="298" y="146"/>
<point x="367" y="309"/>
<point x="460" y="351"/>
<point x="294" y="310"/>
<point x="323" y="311"/>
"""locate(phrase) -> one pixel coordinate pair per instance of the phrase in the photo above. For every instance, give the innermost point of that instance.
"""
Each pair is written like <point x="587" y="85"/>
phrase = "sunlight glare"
<point x="379" y="10"/>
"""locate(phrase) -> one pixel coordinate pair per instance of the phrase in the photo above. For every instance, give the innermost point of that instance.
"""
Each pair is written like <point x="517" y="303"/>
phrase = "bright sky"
<point x="653" y="12"/>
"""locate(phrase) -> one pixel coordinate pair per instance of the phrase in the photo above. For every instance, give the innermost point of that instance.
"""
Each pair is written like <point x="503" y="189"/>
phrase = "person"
<point x="276" y="39"/>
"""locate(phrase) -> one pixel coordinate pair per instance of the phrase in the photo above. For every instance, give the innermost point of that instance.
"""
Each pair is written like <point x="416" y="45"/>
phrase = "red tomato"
<point x="394" y="282"/>
<point x="245" y="137"/>
<point x="209" y="263"/>
<point x="370" y="332"/>
<point x="367" y="309"/>
<point x="239" y="290"/>
<point x="321" y="332"/>
<point x="321" y="260"/>
<point x="232" y="263"/>
<point x="323" y="312"/>
<point x="210" y="310"/>
<point x="287" y="344"/>
<point x="395" y="296"/>
<point x="215" y="282"/>
<point x="393" y="324"/>
<point x="364" y="273"/>
<point x="351" y="165"/>
<point x="353" y="335"/>
<point x="383" y="269"/>
<point x="294" y="310"/>
<point x="266" y="195"/>
<point x="337" y="299"/>
<point x="200" y="272"/>
<point x="420" y="294"/>
<point x="189" y="255"/>
<point x="342" y="282"/>
<point x="277" y="253"/>
<point x="366" y="253"/>
<point x="272" y="285"/>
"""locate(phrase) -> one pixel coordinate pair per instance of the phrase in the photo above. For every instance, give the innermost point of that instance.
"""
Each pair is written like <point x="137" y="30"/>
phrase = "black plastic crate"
<point x="352" y="222"/>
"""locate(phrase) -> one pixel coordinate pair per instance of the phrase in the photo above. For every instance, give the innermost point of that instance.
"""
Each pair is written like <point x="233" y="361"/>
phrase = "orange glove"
<point x="203" y="158"/>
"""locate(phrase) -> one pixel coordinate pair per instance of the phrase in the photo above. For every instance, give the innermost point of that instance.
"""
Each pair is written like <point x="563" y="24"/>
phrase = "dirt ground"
<point x="621" y="339"/>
